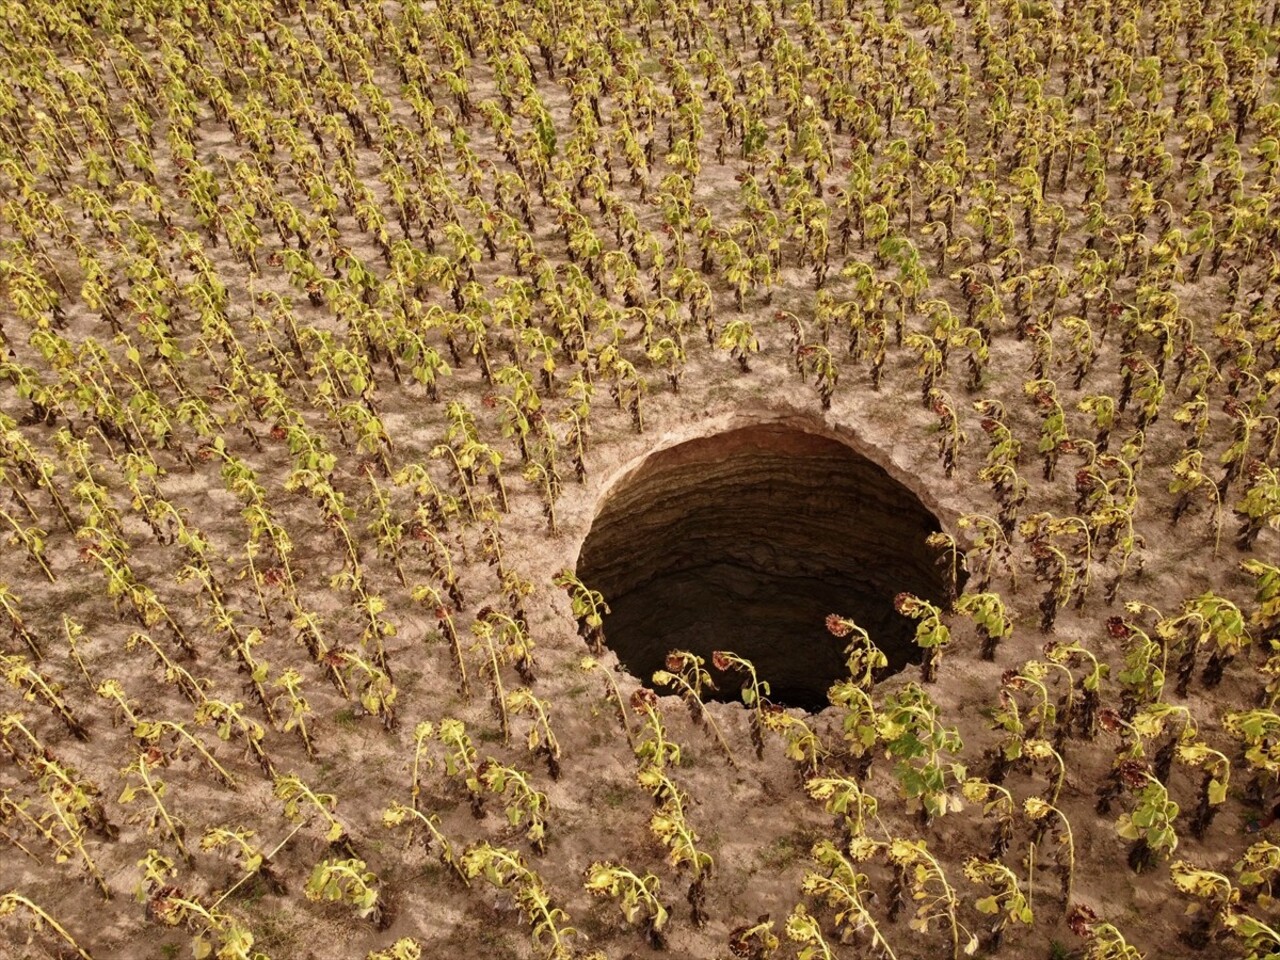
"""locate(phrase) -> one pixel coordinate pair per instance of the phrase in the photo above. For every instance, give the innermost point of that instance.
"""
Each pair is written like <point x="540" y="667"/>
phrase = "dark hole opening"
<point x="746" y="541"/>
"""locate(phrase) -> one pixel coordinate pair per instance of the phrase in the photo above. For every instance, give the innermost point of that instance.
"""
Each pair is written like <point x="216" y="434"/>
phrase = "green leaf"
<point x="1217" y="792"/>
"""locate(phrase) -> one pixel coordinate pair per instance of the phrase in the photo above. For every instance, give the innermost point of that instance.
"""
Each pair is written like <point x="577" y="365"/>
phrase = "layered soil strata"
<point x="746" y="541"/>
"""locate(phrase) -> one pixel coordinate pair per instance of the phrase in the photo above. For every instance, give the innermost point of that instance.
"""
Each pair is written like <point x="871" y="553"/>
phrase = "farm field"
<point x="634" y="478"/>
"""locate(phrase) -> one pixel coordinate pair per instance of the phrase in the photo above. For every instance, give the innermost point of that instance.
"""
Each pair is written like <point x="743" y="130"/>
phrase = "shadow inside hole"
<point x="746" y="541"/>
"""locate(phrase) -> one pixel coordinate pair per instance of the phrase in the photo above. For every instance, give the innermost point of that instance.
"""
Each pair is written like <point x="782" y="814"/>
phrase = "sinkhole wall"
<point x="745" y="541"/>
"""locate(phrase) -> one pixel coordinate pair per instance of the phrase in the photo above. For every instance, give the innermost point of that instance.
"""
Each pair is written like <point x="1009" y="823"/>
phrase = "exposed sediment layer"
<point x="746" y="541"/>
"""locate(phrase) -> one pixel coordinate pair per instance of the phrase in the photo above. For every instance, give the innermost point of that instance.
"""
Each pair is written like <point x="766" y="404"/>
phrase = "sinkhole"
<point x="746" y="541"/>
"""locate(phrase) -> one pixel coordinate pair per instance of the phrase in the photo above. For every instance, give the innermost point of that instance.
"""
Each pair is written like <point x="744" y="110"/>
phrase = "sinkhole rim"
<point x="796" y="441"/>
